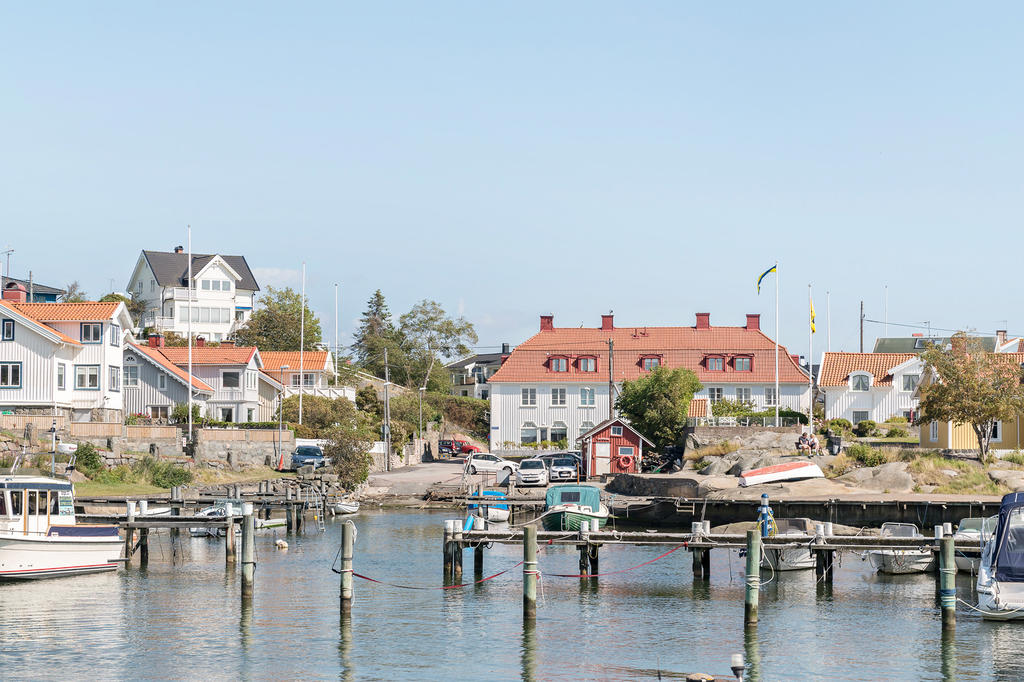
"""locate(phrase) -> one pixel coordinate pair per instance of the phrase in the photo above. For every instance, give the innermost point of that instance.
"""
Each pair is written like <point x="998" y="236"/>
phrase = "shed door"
<point x="603" y="457"/>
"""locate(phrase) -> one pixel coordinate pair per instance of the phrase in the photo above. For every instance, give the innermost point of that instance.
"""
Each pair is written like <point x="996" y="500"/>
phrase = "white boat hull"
<point x="788" y="559"/>
<point x="346" y="507"/>
<point x="901" y="562"/>
<point x="493" y="515"/>
<point x="48" y="556"/>
<point x="968" y="564"/>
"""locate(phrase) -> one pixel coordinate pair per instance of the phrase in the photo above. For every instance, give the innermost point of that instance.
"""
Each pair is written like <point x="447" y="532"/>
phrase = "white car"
<point x="532" y="472"/>
<point x="486" y="462"/>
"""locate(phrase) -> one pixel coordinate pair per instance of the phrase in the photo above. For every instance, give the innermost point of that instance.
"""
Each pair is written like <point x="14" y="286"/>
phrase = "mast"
<point x="188" y="306"/>
<point x="302" y="340"/>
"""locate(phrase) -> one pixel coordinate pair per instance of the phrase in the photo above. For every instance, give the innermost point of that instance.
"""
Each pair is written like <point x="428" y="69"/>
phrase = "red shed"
<point x="613" y="447"/>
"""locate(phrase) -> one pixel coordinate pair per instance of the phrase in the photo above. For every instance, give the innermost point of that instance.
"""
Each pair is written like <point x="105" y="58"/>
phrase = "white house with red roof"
<point x="154" y="386"/>
<point x="309" y="373"/>
<point x="875" y="386"/>
<point x="62" y="358"/>
<point x="555" y="385"/>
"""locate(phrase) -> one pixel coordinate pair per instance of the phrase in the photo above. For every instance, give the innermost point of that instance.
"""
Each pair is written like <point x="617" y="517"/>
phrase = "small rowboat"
<point x="791" y="471"/>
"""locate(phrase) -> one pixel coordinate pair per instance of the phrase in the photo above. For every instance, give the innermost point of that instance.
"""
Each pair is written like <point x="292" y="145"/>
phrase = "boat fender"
<point x="469" y="523"/>
<point x="281" y="544"/>
<point x="626" y="461"/>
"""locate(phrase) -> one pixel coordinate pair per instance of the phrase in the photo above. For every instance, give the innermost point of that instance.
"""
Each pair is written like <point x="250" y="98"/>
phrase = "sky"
<point x="514" y="159"/>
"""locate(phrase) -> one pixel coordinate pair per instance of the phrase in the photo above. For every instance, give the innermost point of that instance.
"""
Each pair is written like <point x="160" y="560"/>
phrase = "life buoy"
<point x="626" y="462"/>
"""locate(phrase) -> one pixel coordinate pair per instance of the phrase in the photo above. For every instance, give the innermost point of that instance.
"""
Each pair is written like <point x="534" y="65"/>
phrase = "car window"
<point x="489" y="458"/>
<point x="532" y="464"/>
<point x="565" y="462"/>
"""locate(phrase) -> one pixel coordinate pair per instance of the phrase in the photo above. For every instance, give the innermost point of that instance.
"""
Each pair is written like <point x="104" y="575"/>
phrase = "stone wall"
<point x="241" y="448"/>
<point x="716" y="434"/>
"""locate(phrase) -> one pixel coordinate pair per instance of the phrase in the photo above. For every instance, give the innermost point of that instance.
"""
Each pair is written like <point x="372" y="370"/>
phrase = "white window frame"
<point x="558" y="397"/>
<point x="855" y="380"/>
<point x="588" y="396"/>
<point x="744" y="394"/>
<point x="997" y="428"/>
<point x="224" y="372"/>
<point x="853" y="416"/>
<point x="562" y="363"/>
<point x="115" y="334"/>
<point x="115" y="378"/>
<point x="62" y="374"/>
<point x="903" y="382"/>
<point x="715" y="393"/>
<point x="11" y="367"/>
<point x="749" y="362"/>
<point x="89" y="370"/>
<point x="626" y="450"/>
<point x="770" y="397"/>
<point x="933" y="431"/>
<point x="161" y="381"/>
<point x="159" y="412"/>
<point x="528" y="397"/>
<point x="8" y="333"/>
<point x="131" y="376"/>
<point x="616" y="430"/>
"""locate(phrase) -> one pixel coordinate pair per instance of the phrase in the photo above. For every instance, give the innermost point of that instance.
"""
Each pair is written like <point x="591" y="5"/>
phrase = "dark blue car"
<point x="308" y="454"/>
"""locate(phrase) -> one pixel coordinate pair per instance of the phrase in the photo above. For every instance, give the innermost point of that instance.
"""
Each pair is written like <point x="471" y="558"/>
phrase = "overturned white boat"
<point x="1001" y="573"/>
<point x="790" y="471"/>
<point x="798" y="556"/>
<point x="902" y="561"/>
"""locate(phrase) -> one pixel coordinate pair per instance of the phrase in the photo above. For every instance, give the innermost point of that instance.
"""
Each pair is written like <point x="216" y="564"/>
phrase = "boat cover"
<point x="491" y="493"/>
<point x="1009" y="559"/>
<point x="583" y="495"/>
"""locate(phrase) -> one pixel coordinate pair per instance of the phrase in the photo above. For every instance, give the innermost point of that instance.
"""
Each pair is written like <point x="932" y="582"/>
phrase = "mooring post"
<point x="129" y="534"/>
<point x="248" y="549"/>
<point x="448" y="553"/>
<point x="229" y="534"/>
<point x="457" y="552"/>
<point x="593" y="552"/>
<point x="530" y="572"/>
<point x="478" y="561"/>
<point x="947" y="581"/>
<point x="584" y="561"/>
<point x="348" y="531"/>
<point x="705" y="564"/>
<point x="143" y="546"/>
<point x="753" y="577"/>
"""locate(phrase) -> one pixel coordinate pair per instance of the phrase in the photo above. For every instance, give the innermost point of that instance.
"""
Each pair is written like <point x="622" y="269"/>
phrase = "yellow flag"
<point x="813" y="330"/>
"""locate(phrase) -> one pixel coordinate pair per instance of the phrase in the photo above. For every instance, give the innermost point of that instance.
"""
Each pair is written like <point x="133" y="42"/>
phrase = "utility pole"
<point x="387" y="414"/>
<point x="862" y="326"/>
<point x="611" y="379"/>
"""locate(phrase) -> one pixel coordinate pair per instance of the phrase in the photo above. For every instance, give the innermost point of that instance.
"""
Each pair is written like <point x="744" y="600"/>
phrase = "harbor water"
<point x="182" y="617"/>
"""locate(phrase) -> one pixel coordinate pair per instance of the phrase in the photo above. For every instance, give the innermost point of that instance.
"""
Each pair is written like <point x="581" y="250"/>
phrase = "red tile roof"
<point x="68" y="312"/>
<point x="836" y="367"/>
<point x="210" y="355"/>
<point x="156" y="356"/>
<point x="674" y="346"/>
<point x="698" y="408"/>
<point x="312" y="360"/>
<point x="62" y="336"/>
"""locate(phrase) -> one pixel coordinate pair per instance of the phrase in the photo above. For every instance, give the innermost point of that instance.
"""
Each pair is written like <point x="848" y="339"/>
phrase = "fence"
<point x="242" y="435"/>
<point x="96" y="429"/>
<point x="144" y="432"/>
<point x="17" y="422"/>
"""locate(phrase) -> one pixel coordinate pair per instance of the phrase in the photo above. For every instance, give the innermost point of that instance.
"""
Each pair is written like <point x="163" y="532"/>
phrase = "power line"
<point x="922" y="325"/>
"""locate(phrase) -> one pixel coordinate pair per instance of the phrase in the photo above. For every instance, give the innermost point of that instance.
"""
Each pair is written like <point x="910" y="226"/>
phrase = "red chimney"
<point x="607" y="323"/>
<point x="504" y="358"/>
<point x="703" y="320"/>
<point x="156" y="340"/>
<point x="796" y="357"/>
<point x="15" y="293"/>
<point x="547" y="323"/>
<point x="200" y="342"/>
<point x="753" y="321"/>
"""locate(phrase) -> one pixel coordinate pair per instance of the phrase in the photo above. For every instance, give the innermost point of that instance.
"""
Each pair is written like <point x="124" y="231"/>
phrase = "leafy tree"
<point x="175" y="340"/>
<point x="73" y="293"/>
<point x="136" y="306"/>
<point x="656" y="405"/>
<point x="964" y="384"/>
<point x="276" y="325"/>
<point x="348" y="444"/>
<point x="431" y="336"/>
<point x="733" y="408"/>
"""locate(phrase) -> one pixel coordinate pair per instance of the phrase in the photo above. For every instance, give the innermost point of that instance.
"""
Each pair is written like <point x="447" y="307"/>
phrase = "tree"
<point x="376" y="334"/>
<point x="964" y="384"/>
<point x="276" y="325"/>
<point x="175" y="340"/>
<point x="656" y="405"/>
<point x="73" y="293"/>
<point x="136" y="306"/>
<point x="348" y="444"/>
<point x="431" y="336"/>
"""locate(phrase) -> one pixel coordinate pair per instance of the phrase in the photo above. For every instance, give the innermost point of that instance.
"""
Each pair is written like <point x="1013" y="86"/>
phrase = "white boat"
<point x="492" y="507"/>
<point x="790" y="471"/>
<point x="217" y="511"/>
<point x="40" y="537"/>
<point x="902" y="561"/>
<point x="346" y="507"/>
<point x="974" y="529"/>
<point x="795" y="558"/>
<point x="1000" y="583"/>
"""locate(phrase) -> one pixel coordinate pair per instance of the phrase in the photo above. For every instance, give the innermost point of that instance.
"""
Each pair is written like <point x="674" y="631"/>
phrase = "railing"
<point x="332" y="392"/>
<point x="726" y="422"/>
<point x="181" y="294"/>
<point x="229" y="395"/>
<point x="157" y="321"/>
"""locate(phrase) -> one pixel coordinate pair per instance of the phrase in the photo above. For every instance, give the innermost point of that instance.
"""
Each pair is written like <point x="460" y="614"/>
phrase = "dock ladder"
<point x="315" y="501"/>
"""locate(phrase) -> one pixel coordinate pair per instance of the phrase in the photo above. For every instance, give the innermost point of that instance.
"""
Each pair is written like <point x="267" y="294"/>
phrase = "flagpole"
<point x="302" y="341"/>
<point x="810" y="355"/>
<point x="189" y="306"/>
<point x="778" y="398"/>
<point x="828" y="319"/>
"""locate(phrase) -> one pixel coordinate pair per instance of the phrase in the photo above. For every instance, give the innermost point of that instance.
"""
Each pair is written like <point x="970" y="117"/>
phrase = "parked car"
<point x="562" y="468"/>
<point x="446" y="447"/>
<point x="308" y="454"/>
<point x="575" y="454"/>
<point x="481" y="462"/>
<point x="466" y="448"/>
<point x="532" y="472"/>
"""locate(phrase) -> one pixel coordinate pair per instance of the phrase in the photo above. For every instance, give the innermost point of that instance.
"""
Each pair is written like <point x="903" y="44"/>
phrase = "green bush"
<point x="180" y="413"/>
<point x="87" y="460"/>
<point x="1016" y="457"/>
<point x="866" y="455"/>
<point x="896" y="420"/>
<point x="866" y="428"/>
<point x="149" y="470"/>
<point x="840" y="424"/>
<point x="896" y="432"/>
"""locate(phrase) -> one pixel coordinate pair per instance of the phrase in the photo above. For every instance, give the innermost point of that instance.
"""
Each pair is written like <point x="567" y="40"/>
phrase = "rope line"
<point x="623" y="570"/>
<point x="445" y="587"/>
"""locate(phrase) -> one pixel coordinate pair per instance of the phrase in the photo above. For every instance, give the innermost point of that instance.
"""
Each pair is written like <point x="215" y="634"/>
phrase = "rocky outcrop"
<point x="653" y="486"/>
<point x="892" y="477"/>
<point x="1011" y="478"/>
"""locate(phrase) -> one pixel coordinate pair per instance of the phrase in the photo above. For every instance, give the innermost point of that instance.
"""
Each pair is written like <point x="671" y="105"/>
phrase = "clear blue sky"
<point x="515" y="159"/>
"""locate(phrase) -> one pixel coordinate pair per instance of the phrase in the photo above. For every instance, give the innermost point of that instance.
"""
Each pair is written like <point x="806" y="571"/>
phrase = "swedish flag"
<point x="769" y="270"/>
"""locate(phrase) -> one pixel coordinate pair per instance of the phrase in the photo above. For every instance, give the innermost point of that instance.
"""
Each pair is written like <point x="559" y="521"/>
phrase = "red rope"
<point x="624" y="570"/>
<point x="446" y="587"/>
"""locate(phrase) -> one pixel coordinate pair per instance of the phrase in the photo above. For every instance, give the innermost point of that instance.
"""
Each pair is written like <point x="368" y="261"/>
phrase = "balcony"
<point x="158" y="322"/>
<point x="180" y="294"/>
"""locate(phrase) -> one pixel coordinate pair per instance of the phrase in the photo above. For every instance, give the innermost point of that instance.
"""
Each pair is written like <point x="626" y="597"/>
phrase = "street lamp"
<point x="280" y="420"/>
<point x="422" y="389"/>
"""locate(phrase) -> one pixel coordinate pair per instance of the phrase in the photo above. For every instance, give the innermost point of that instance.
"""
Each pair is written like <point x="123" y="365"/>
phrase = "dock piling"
<point x="229" y="535"/>
<point x="753" y="577"/>
<point x="530" y="572"/>
<point x="143" y="547"/>
<point x="457" y="551"/>
<point x="947" y="581"/>
<point x="129" y="532"/>
<point x="248" y="550"/>
<point x="347" y="543"/>
<point x="447" y="549"/>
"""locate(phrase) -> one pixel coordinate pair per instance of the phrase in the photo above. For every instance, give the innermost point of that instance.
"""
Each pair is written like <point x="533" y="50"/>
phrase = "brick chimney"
<point x="179" y="249"/>
<point x="796" y="357"/>
<point x="200" y="342"/>
<point x="1000" y="337"/>
<point x="753" y="321"/>
<point x="15" y="293"/>
<point x="607" y="322"/>
<point x="156" y="340"/>
<point x="547" y="323"/>
<point x="504" y="349"/>
<point x="227" y="343"/>
<point x="703" y="320"/>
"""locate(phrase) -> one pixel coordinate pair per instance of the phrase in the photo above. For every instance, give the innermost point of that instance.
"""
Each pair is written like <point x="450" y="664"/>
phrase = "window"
<point x="215" y="284"/>
<point x="559" y="364"/>
<point x="715" y="364"/>
<point x="8" y="330"/>
<point x="933" y="431"/>
<point x="226" y="286"/>
<point x="131" y="376"/>
<point x="529" y="397"/>
<point x="587" y="364"/>
<point x="769" y="396"/>
<point x="60" y="377"/>
<point x="92" y="332"/>
<point x="716" y="394"/>
<point x="741" y="364"/>
<point x="230" y="380"/>
<point x="115" y="378"/>
<point x="586" y="426"/>
<point x="10" y="375"/>
<point x="152" y="285"/>
<point x="528" y="434"/>
<point x="616" y="430"/>
<point x="997" y="431"/>
<point x="910" y="381"/>
<point x="239" y="315"/>
<point x="650" y="364"/>
<point x="557" y="397"/>
<point x="586" y="397"/>
<point x="115" y="335"/>
<point x="161" y="381"/>
<point x="206" y="284"/>
<point x="87" y="377"/>
<point x="559" y="431"/>
<point x="159" y="411"/>
<point x="251" y="379"/>
<point x="743" y="395"/>
<point x="249" y="414"/>
<point x="859" y="382"/>
<point x="626" y="450"/>
<point x="860" y="416"/>
<point x="227" y="414"/>
<point x="296" y="380"/>
<point x="307" y="379"/>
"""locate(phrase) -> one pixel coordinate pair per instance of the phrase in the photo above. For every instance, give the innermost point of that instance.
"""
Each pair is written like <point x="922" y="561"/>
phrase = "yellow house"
<point x="946" y="435"/>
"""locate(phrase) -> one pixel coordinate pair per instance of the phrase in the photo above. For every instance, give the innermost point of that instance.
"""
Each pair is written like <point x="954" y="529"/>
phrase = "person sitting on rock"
<point x="813" y="446"/>
<point x="803" y="443"/>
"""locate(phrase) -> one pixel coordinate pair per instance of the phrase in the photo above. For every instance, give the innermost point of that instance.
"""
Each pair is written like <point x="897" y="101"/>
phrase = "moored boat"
<point x="40" y="537"/>
<point x="346" y="507"/>
<point x="795" y="558"/>
<point x="902" y="561"/>
<point x="973" y="529"/>
<point x="493" y="507"/>
<point x="566" y="507"/>
<point x="1000" y="583"/>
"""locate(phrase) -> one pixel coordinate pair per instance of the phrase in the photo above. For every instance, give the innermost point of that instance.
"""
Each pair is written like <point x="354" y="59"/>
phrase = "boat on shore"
<point x="346" y="507"/>
<point x="567" y="507"/>
<point x="795" y="558"/>
<point x="40" y="537"/>
<point x="1000" y="583"/>
<point x="974" y="529"/>
<point x="790" y="471"/>
<point x="902" y="561"/>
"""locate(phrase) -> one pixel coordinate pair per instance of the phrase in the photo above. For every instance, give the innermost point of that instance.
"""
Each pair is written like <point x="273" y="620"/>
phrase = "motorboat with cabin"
<point x="902" y="561"/>
<point x="974" y="529"/>
<point x="1000" y="583"/>
<point x="566" y="507"/>
<point x="40" y="536"/>
<point x="796" y="557"/>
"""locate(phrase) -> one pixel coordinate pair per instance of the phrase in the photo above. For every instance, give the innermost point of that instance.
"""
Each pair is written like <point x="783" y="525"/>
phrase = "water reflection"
<point x="345" y="647"/>
<point x="949" y="654"/>
<point x="528" y="651"/>
<point x="752" y="655"/>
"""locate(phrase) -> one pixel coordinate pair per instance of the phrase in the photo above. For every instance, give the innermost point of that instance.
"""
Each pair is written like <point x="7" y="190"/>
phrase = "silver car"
<point x="562" y="469"/>
<point x="486" y="462"/>
<point x="532" y="472"/>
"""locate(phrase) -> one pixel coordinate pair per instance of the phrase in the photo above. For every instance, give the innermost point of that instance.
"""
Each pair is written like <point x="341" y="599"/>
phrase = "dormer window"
<point x="587" y="364"/>
<point x="715" y="364"/>
<point x="860" y="382"/>
<point x="559" y="364"/>
<point x="649" y="363"/>
<point x="741" y="364"/>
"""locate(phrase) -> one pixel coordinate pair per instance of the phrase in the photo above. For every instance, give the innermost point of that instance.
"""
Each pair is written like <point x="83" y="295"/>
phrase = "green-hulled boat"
<point x="567" y="506"/>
